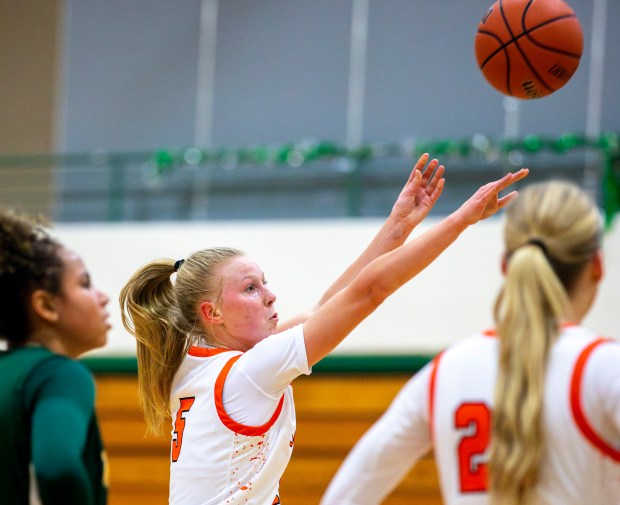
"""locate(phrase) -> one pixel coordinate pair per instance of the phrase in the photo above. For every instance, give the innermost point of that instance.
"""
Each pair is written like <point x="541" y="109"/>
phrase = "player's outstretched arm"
<point x="418" y="196"/>
<point x="333" y="321"/>
<point x="415" y="201"/>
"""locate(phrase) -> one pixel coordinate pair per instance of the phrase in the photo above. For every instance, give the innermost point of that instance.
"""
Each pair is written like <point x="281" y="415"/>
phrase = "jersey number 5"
<point x="179" y="426"/>
<point x="476" y="419"/>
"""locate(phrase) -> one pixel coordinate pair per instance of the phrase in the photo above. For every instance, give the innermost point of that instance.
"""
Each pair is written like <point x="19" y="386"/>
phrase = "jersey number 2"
<point x="179" y="426"/>
<point x="476" y="418"/>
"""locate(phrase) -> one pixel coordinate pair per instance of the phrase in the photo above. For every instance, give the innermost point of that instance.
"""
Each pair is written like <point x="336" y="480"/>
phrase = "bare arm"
<point x="334" y="320"/>
<point x="413" y="204"/>
<point x="386" y="452"/>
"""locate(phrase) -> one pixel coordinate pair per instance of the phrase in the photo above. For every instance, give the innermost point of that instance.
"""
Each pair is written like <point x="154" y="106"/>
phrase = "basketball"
<point x="528" y="48"/>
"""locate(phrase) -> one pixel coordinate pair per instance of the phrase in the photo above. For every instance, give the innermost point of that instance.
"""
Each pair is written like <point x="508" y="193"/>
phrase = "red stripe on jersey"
<point x="577" y="407"/>
<point x="205" y="352"/>
<point x="431" y="395"/>
<point x="567" y="324"/>
<point x="242" y="429"/>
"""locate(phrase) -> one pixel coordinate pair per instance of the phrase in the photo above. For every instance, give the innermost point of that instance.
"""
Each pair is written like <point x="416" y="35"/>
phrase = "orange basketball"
<point x="529" y="48"/>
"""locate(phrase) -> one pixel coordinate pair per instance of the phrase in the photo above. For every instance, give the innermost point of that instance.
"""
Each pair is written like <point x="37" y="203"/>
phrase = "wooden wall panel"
<point x="333" y="411"/>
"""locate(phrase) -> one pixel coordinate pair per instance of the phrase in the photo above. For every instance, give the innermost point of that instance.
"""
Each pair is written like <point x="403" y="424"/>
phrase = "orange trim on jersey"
<point x="577" y="407"/>
<point x="205" y="352"/>
<point x="232" y="425"/>
<point x="431" y="394"/>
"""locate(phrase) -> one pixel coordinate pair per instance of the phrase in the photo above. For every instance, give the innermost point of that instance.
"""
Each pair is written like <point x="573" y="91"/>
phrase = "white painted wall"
<point x="451" y="298"/>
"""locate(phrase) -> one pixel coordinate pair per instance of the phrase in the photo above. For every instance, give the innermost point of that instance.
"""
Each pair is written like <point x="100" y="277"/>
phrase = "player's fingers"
<point x="419" y="166"/>
<point x="428" y="171"/>
<point x="415" y="180"/>
<point x="487" y="197"/>
<point x="436" y="176"/>
<point x="437" y="190"/>
<point x="505" y="200"/>
<point x="511" y="178"/>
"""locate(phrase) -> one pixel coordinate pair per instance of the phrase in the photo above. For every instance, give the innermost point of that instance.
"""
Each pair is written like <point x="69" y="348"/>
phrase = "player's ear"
<point x="504" y="264"/>
<point x="209" y="313"/>
<point x="598" y="270"/>
<point x="43" y="305"/>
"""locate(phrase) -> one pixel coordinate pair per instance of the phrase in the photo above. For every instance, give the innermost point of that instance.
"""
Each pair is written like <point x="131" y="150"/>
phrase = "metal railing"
<point x="293" y="181"/>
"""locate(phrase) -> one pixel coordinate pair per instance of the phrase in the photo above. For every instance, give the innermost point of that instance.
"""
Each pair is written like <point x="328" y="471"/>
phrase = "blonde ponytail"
<point x="145" y="300"/>
<point x="552" y="230"/>
<point x="163" y="317"/>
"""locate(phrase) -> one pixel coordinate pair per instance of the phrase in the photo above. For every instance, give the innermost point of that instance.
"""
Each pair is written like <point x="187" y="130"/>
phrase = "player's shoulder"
<point x="58" y="376"/>
<point x="67" y="366"/>
<point x="587" y="339"/>
<point x="598" y="369"/>
<point x="606" y="349"/>
<point x="475" y="348"/>
<point x="475" y="342"/>
<point x="65" y="373"/>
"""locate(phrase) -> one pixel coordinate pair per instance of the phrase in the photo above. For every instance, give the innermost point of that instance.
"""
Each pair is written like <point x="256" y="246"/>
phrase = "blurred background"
<point x="268" y="93"/>
<point x="152" y="128"/>
<point x="287" y="128"/>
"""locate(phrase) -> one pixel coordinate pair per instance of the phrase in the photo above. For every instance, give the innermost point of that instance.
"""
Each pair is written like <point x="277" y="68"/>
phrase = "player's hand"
<point x="486" y="201"/>
<point x="420" y="193"/>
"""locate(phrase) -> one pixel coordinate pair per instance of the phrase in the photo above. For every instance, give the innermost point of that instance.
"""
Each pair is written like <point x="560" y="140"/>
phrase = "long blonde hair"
<point x="551" y="232"/>
<point x="162" y="314"/>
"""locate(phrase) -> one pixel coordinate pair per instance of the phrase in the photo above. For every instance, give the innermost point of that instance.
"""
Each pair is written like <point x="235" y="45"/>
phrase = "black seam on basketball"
<point x="523" y="55"/>
<point x="532" y="68"/>
<point x="515" y="40"/>
<point x="507" y="55"/>
<point x="501" y="11"/>
<point x="528" y="33"/>
<point x="524" y="34"/>
<point x="504" y="45"/>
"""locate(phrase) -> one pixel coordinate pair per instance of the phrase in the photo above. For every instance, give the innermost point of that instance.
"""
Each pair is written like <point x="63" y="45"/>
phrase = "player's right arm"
<point x="415" y="201"/>
<point x="341" y="314"/>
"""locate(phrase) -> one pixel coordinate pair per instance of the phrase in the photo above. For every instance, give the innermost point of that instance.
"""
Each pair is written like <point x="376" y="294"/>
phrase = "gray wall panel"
<point x="131" y="74"/>
<point x="611" y="86"/>
<point x="281" y="71"/>
<point x="423" y="79"/>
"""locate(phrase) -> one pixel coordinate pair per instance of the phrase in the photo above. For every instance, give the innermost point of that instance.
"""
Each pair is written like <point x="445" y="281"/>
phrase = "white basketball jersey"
<point x="215" y="460"/>
<point x="581" y="464"/>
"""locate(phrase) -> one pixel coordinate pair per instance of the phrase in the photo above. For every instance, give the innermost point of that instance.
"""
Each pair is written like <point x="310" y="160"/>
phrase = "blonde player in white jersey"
<point x="214" y="360"/>
<point x="527" y="413"/>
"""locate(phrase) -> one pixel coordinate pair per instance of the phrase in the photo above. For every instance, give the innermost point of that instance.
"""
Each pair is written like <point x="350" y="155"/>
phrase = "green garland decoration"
<point x="298" y="154"/>
<point x="301" y="154"/>
<point x="611" y="186"/>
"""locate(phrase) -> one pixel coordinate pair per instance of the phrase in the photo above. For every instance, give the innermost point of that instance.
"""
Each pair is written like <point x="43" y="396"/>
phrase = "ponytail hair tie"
<point x="177" y="265"/>
<point x="540" y="244"/>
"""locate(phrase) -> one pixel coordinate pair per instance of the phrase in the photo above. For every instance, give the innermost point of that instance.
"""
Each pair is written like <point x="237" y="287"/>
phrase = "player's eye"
<point x="86" y="282"/>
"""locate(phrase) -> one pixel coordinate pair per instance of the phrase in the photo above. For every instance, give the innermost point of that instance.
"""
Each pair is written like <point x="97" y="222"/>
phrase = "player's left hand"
<point x="486" y="201"/>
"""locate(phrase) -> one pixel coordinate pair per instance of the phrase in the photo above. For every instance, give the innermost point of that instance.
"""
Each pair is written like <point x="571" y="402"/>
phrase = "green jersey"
<point x="50" y="443"/>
